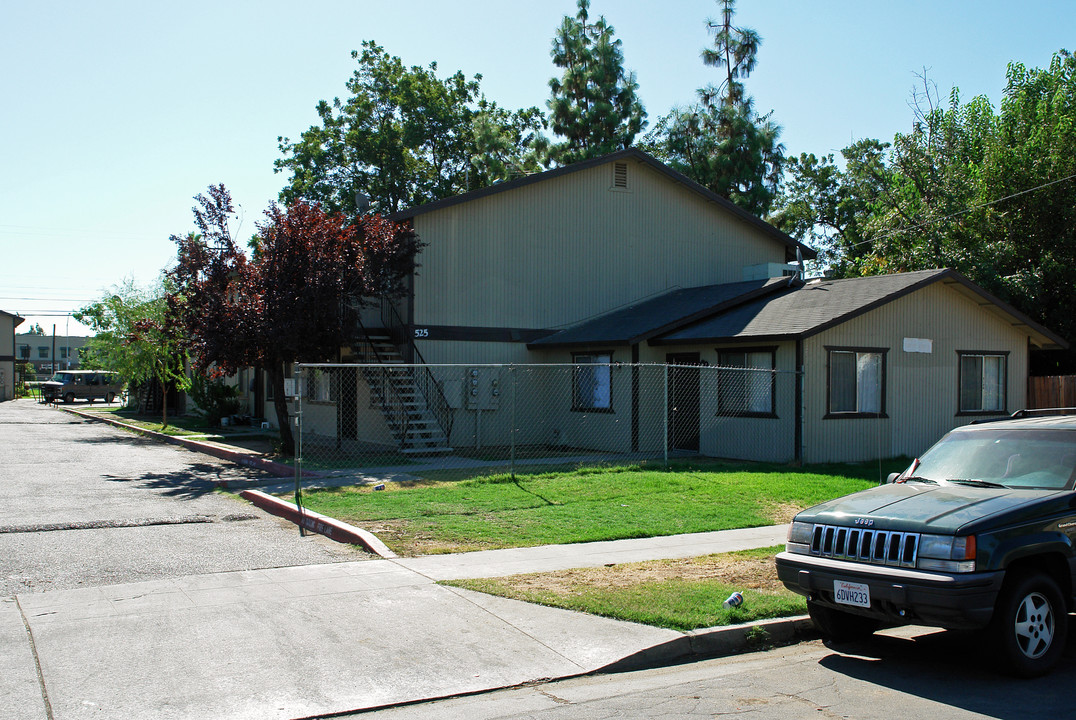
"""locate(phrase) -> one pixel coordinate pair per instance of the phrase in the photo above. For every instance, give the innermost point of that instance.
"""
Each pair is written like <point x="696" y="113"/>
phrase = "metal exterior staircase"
<point x="393" y="387"/>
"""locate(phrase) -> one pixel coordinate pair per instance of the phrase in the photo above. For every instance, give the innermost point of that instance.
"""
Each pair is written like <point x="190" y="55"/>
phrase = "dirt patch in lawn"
<point x="782" y="512"/>
<point x="750" y="569"/>
<point x="407" y="540"/>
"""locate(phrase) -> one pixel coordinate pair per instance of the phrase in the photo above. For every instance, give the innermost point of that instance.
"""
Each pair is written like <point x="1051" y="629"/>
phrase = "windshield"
<point x="1020" y="458"/>
<point x="63" y="378"/>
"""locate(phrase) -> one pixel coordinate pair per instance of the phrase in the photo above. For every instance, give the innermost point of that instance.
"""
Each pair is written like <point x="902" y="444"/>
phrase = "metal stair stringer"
<point x="392" y="385"/>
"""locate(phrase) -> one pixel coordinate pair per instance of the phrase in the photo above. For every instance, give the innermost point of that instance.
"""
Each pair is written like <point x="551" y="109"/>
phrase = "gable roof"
<point x="773" y="309"/>
<point x="806" y="310"/>
<point x="629" y="153"/>
<point x="16" y="320"/>
<point x="648" y="318"/>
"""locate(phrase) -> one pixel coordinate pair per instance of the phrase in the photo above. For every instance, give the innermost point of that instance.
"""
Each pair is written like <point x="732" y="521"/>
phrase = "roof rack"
<point x="1038" y="412"/>
<point x="1028" y="413"/>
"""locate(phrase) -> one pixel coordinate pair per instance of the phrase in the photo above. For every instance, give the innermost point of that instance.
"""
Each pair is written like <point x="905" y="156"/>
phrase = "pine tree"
<point x="594" y="103"/>
<point x="721" y="142"/>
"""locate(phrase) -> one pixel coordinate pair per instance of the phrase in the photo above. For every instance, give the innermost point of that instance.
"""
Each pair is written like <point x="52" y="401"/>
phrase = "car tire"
<point x="69" y="398"/>
<point x="841" y="626"/>
<point x="1030" y="625"/>
<point x="110" y="397"/>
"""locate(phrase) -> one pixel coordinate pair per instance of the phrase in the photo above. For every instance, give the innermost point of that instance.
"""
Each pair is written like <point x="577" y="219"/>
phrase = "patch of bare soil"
<point x="782" y="512"/>
<point x="404" y="540"/>
<point x="740" y="569"/>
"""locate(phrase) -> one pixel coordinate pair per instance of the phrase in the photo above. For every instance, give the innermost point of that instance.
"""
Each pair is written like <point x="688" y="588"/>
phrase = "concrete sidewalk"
<point x="314" y="640"/>
<point x="547" y="558"/>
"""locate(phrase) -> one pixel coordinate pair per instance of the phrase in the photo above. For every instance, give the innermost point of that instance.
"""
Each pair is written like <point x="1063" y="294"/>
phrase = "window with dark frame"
<point x="750" y="391"/>
<point x="320" y="385"/>
<point x="856" y="382"/>
<point x="983" y="385"/>
<point x="592" y="382"/>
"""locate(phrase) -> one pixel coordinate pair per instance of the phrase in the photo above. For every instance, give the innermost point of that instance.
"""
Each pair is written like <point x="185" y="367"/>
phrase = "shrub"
<point x="216" y="398"/>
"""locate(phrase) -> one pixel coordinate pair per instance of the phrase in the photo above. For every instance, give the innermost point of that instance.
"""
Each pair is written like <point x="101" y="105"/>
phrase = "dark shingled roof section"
<point x="629" y="153"/>
<point x="648" y="318"/>
<point x="809" y="309"/>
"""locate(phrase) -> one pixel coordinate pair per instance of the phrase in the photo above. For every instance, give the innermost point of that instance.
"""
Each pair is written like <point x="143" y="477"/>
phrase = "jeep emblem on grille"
<point x="865" y="521"/>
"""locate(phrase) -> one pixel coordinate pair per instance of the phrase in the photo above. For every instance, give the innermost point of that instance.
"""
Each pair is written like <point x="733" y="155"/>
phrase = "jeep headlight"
<point x="947" y="553"/>
<point x="800" y="535"/>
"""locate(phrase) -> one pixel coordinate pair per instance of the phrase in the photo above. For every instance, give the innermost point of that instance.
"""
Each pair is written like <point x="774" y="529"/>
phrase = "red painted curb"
<point x="322" y="524"/>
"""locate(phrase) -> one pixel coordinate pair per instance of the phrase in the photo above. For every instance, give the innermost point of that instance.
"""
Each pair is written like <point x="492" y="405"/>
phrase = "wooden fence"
<point x="1052" y="391"/>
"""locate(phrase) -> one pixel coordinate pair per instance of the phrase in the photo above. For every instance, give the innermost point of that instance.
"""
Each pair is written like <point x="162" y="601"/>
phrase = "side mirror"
<point x="892" y="478"/>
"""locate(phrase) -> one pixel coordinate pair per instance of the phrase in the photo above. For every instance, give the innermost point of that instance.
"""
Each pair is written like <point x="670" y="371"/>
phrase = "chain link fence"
<point x="383" y="418"/>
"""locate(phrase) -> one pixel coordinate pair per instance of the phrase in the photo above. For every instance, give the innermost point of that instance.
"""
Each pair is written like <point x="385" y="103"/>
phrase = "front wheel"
<point x="1030" y="625"/>
<point x="69" y="398"/>
<point x="110" y="398"/>
<point x="840" y="626"/>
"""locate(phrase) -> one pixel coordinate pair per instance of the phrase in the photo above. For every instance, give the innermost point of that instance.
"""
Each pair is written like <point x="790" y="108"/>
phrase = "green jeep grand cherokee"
<point x="978" y="533"/>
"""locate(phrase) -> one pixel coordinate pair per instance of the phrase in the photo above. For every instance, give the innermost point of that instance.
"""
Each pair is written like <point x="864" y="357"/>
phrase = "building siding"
<point x="7" y="350"/>
<point x="554" y="253"/>
<point x="921" y="389"/>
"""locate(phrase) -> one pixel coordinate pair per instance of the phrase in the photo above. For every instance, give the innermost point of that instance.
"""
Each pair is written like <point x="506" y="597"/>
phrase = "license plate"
<point x="847" y="593"/>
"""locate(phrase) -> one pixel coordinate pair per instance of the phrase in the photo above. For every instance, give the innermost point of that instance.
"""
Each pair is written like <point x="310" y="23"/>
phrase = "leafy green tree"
<point x="594" y="105"/>
<point x="507" y="144"/>
<point x="138" y="337"/>
<point x="991" y="194"/>
<point x="828" y="208"/>
<point x="721" y="142"/>
<point x="403" y="136"/>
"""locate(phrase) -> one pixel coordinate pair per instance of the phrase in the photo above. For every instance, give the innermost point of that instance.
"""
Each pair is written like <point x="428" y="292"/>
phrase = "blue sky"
<point x="115" y="114"/>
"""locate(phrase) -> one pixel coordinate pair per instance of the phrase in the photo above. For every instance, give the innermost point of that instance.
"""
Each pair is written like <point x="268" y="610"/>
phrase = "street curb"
<point x="717" y="642"/>
<point x="323" y="524"/>
<point x="273" y="468"/>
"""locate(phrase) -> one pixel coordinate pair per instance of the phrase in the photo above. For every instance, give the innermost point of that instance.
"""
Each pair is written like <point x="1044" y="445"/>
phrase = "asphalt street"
<point x="84" y="504"/>
<point x="900" y="674"/>
<point x="131" y="589"/>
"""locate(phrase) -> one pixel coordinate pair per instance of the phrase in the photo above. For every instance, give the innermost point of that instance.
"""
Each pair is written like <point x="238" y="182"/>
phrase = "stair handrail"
<point x="382" y="376"/>
<point x="425" y="381"/>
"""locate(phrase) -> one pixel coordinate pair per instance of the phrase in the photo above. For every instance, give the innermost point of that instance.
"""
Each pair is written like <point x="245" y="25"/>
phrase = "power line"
<point x="72" y="232"/>
<point x="48" y="299"/>
<point x="51" y="313"/>
<point x="962" y="212"/>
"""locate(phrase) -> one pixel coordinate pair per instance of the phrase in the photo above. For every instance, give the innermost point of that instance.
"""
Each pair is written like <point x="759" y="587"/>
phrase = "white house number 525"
<point x="422" y="332"/>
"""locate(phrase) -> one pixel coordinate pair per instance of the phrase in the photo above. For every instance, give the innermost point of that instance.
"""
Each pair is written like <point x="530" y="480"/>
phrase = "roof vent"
<point x="620" y="175"/>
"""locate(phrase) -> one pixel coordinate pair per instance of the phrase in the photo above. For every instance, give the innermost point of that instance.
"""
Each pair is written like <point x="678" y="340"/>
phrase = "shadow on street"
<point x="196" y="480"/>
<point x="955" y="669"/>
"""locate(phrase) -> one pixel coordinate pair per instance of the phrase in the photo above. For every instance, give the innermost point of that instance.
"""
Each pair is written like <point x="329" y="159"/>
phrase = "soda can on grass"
<point x="734" y="600"/>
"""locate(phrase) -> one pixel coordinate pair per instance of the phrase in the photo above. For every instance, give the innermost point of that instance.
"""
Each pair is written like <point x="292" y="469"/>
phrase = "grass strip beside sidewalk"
<point x="684" y="594"/>
<point x="179" y="426"/>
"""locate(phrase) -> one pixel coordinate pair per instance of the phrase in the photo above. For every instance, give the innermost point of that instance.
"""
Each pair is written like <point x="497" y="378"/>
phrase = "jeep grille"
<point x="880" y="547"/>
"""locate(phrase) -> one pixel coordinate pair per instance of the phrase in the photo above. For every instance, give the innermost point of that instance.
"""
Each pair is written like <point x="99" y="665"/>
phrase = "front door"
<point x="683" y="401"/>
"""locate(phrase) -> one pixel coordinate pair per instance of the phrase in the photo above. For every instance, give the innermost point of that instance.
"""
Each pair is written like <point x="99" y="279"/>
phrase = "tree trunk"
<point x="164" y="405"/>
<point x="280" y="403"/>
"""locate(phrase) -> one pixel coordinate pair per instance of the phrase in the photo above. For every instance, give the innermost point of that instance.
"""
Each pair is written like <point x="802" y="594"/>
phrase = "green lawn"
<point x="587" y="504"/>
<point x="178" y="426"/>
<point x="677" y="594"/>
